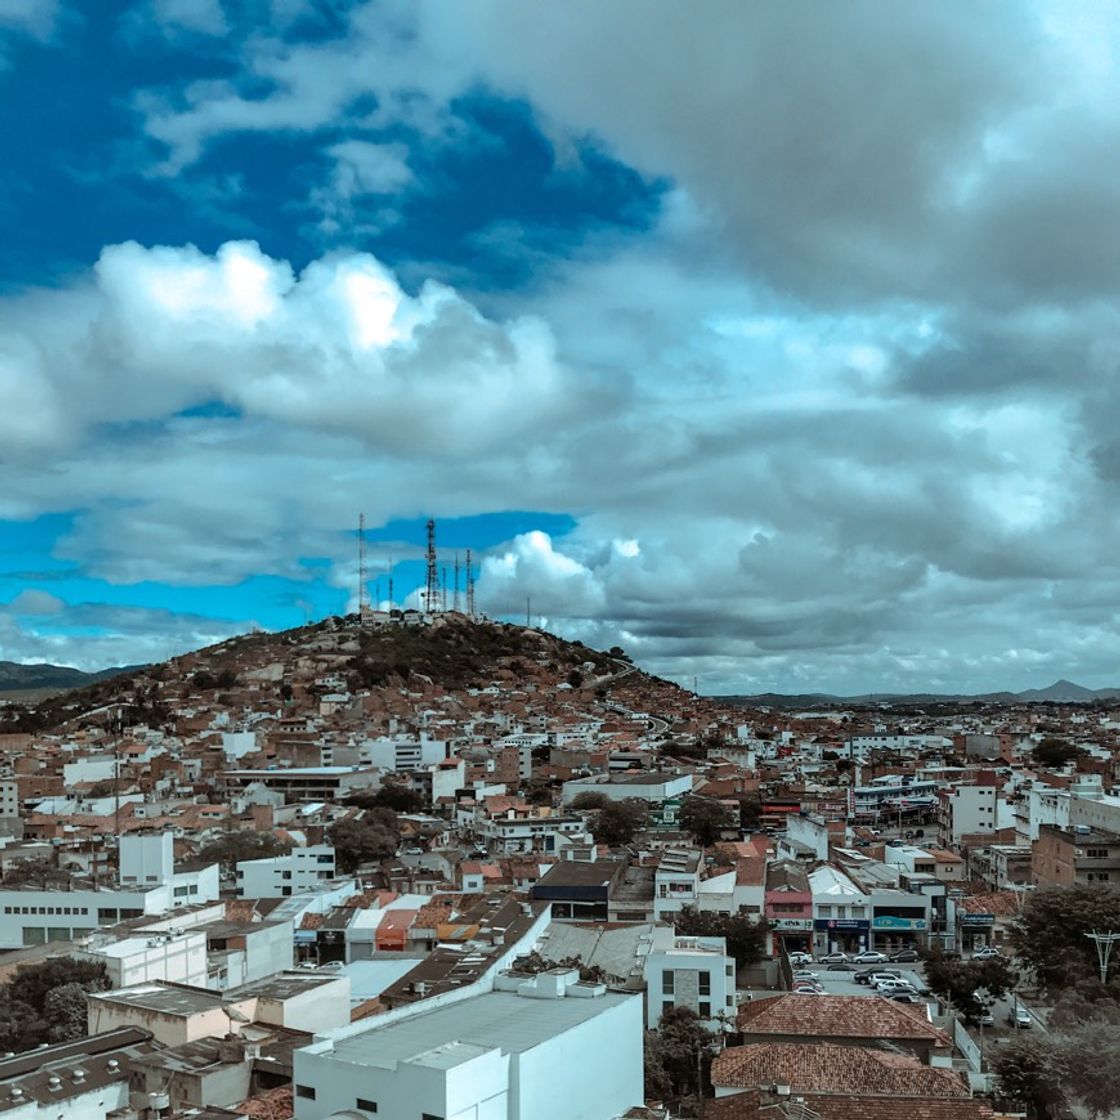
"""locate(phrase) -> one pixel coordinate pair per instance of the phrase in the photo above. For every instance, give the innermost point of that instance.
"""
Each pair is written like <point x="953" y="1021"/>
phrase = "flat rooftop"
<point x="494" y="1020"/>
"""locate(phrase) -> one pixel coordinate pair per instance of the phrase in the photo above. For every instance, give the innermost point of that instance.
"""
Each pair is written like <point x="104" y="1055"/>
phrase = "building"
<point x="676" y="881"/>
<point x="644" y="785"/>
<point x="301" y="869"/>
<point x="306" y="783"/>
<point x="692" y="972"/>
<point x="841" y="912"/>
<point x="152" y="955"/>
<point x="547" y="1047"/>
<point x="966" y="811"/>
<point x="512" y="835"/>
<point x="789" y="907"/>
<point x="1063" y="857"/>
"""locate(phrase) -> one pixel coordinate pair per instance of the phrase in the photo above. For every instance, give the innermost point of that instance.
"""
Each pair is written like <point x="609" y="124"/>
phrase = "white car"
<point x="1019" y="1018"/>
<point x="986" y="954"/>
<point x="870" y="956"/>
<point x="889" y="985"/>
<point x="804" y="974"/>
<point x="800" y="958"/>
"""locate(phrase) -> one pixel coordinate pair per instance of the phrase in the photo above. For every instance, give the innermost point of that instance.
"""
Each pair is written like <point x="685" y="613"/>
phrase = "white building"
<point x="402" y="754"/>
<point x="676" y="882"/>
<point x="176" y="957"/>
<point x="692" y="972"/>
<point x="551" y="1048"/>
<point x="967" y="811"/>
<point x="146" y="858"/>
<point x="302" y="869"/>
<point x="655" y="786"/>
<point x="513" y="835"/>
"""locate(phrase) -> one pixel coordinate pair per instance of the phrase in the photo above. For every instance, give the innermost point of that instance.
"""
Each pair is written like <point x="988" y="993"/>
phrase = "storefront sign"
<point x="976" y="919"/>
<point x="888" y="921"/>
<point x="842" y="923"/>
<point x="791" y="923"/>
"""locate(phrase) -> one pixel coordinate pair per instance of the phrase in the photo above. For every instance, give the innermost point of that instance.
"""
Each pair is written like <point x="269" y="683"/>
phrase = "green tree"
<point x="970" y="986"/>
<point x="232" y="848"/>
<point x="705" y="819"/>
<point x="1048" y="935"/>
<point x="750" y="812"/>
<point x="1092" y="1057"/>
<point x="617" y="822"/>
<point x="1030" y="1069"/>
<point x="678" y="1057"/>
<point x="64" y="1009"/>
<point x="21" y="1026"/>
<point x="370" y="839"/>
<point x="589" y="799"/>
<point x="392" y="795"/>
<point x="33" y="982"/>
<point x="745" y="937"/>
<point x="40" y="872"/>
<point x="1055" y="753"/>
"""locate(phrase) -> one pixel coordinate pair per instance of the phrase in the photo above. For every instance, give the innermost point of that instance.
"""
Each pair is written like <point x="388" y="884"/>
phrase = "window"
<point x="705" y="983"/>
<point x="364" y="1105"/>
<point x="668" y="978"/>
<point x="306" y="1091"/>
<point x="705" y="1010"/>
<point x="1096" y="853"/>
<point x="730" y="970"/>
<point x="825" y="911"/>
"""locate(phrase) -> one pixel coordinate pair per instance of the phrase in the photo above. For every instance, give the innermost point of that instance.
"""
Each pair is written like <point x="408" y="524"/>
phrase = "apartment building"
<point x="301" y="869"/>
<point x="692" y="972"/>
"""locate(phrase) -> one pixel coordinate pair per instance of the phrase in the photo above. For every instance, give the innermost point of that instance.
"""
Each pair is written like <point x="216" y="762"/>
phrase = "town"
<point x="425" y="866"/>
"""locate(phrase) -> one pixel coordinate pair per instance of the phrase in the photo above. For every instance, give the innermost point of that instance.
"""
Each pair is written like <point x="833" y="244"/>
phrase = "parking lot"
<point x="843" y="983"/>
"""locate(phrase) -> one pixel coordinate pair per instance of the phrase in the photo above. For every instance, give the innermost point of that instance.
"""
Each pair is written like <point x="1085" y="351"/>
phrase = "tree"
<point x="392" y="795"/>
<point x="750" y="812"/>
<point x="538" y="793"/>
<point x="970" y="986"/>
<point x="376" y="836"/>
<point x="232" y="848"/>
<point x="21" y="1026"/>
<point x="746" y="938"/>
<point x="678" y="1056"/>
<point x="1092" y="1057"/>
<point x="575" y="678"/>
<point x="1055" y="753"/>
<point x="40" y="872"/>
<point x="617" y="821"/>
<point x="1048" y="935"/>
<point x="1030" y="1069"/>
<point x="705" y="819"/>
<point x="32" y="982"/>
<point x="64" y="1009"/>
<point x="589" y="799"/>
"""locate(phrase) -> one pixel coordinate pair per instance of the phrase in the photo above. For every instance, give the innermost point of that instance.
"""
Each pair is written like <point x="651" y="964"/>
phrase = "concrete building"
<point x="301" y="869"/>
<point x="403" y="754"/>
<point x="649" y="785"/>
<point x="300" y="783"/>
<point x="548" y="1048"/>
<point x="966" y="811"/>
<point x="841" y="912"/>
<point x="1061" y="858"/>
<point x="511" y="835"/>
<point x="146" y="858"/>
<point x="178" y="958"/>
<point x="692" y="972"/>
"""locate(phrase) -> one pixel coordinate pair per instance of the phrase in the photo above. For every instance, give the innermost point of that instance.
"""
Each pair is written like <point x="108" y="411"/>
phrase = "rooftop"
<point x="838" y="1017"/>
<point x="493" y="1020"/>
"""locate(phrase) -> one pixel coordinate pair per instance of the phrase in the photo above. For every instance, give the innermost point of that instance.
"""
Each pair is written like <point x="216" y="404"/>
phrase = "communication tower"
<point x="470" y="585"/>
<point x="455" y="604"/>
<point x="431" y="590"/>
<point x="363" y="591"/>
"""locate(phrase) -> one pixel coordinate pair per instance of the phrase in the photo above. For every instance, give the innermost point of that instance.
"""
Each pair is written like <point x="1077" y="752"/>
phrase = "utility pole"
<point x="1104" y="943"/>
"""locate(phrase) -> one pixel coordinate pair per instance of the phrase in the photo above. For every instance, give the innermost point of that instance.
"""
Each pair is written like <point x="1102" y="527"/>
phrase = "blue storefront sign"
<point x="976" y="919"/>
<point x="888" y="921"/>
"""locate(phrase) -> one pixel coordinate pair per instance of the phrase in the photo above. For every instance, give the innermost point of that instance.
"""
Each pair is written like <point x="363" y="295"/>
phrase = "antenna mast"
<point x="443" y="588"/>
<point x="363" y="591"/>
<point x="390" y="584"/>
<point x="470" y="585"/>
<point x="431" y="591"/>
<point x="455" y="603"/>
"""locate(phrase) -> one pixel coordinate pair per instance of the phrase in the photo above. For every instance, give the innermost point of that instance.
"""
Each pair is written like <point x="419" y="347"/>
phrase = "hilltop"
<point x="17" y="677"/>
<point x="396" y="667"/>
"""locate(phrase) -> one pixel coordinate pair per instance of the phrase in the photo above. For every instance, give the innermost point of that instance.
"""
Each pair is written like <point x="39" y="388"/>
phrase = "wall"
<point x="146" y="860"/>
<point x="302" y="869"/>
<point x="180" y="959"/>
<point x="171" y="1030"/>
<point x="70" y="914"/>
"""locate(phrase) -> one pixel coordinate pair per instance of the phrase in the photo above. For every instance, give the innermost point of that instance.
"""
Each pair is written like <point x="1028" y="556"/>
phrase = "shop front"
<point x="974" y="931"/>
<point x="844" y="935"/>
<point x="892" y="932"/>
<point x="795" y="934"/>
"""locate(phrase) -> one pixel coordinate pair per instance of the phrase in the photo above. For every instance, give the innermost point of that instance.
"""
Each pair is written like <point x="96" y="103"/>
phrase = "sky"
<point x="777" y="344"/>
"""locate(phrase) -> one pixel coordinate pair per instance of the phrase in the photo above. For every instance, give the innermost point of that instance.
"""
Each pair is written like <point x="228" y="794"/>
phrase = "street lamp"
<point x="1104" y="943"/>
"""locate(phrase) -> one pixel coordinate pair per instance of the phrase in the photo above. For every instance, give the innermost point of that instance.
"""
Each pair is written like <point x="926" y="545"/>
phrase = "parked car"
<point x="887" y="985"/>
<point x="905" y="997"/>
<point x="870" y="956"/>
<point x="833" y="958"/>
<point x="845" y="967"/>
<point x="986" y="1019"/>
<point x="804" y="974"/>
<point x="867" y="974"/>
<point x="986" y="954"/>
<point x="800" y="958"/>
<point x="1019" y="1018"/>
<point x="807" y="990"/>
<point x="906" y="955"/>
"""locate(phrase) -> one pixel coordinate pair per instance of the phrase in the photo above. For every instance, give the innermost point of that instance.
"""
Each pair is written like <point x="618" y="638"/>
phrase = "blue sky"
<point x="775" y="346"/>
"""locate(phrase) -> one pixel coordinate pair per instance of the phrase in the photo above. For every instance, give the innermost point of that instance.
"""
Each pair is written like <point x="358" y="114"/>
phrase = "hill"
<point x="17" y="677"/>
<point x="1060" y="692"/>
<point x="397" y="668"/>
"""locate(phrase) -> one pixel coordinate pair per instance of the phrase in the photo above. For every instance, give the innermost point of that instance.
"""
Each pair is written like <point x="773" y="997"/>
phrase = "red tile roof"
<point x="838" y="1017"/>
<point x="757" y="1105"/>
<point x="825" y="1067"/>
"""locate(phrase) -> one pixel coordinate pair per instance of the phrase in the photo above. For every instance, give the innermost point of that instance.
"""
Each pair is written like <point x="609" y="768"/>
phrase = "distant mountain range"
<point x="15" y="677"/>
<point x="1060" y="692"/>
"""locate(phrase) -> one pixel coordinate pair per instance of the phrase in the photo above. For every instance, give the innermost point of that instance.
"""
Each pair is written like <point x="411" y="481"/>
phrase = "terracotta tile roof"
<point x="240" y="909"/>
<point x="1004" y="904"/>
<point x="273" y="1104"/>
<point x="311" y="921"/>
<point x="824" y="1067"/>
<point x="756" y="1105"/>
<point x="838" y="1017"/>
